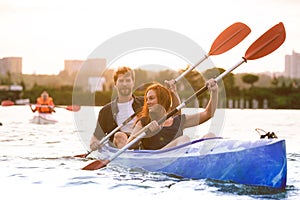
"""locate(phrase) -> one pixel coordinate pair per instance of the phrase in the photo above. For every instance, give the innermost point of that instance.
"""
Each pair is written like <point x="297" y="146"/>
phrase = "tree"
<point x="250" y="79"/>
<point x="229" y="81"/>
<point x="274" y="81"/>
<point x="22" y="83"/>
<point x="194" y="77"/>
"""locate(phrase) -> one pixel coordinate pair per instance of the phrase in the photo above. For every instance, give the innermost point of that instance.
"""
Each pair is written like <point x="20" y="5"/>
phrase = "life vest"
<point x="44" y="106"/>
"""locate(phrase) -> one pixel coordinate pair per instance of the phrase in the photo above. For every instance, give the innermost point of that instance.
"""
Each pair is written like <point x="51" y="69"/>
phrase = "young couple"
<point x="156" y="103"/>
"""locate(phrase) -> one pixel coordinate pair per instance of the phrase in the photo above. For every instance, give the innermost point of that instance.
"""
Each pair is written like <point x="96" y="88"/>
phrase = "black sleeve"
<point x="99" y="133"/>
<point x="105" y="123"/>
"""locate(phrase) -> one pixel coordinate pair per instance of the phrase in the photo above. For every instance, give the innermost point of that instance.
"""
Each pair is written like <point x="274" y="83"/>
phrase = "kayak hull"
<point x="258" y="163"/>
<point x="43" y="118"/>
<point x="7" y="103"/>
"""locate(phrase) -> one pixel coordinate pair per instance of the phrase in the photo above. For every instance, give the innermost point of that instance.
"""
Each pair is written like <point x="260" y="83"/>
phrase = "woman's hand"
<point x="171" y="85"/>
<point x="153" y="127"/>
<point x="212" y="85"/>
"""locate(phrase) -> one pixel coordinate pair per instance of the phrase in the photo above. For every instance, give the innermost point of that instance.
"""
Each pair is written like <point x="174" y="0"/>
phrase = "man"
<point x="118" y="110"/>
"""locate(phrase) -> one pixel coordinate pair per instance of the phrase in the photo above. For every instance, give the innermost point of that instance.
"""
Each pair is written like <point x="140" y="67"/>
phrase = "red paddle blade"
<point x="74" y="108"/>
<point x="267" y="43"/>
<point x="98" y="164"/>
<point x="229" y="38"/>
<point x="81" y="155"/>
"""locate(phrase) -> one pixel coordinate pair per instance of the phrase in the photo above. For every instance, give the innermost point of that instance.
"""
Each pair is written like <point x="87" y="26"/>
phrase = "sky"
<point x="45" y="33"/>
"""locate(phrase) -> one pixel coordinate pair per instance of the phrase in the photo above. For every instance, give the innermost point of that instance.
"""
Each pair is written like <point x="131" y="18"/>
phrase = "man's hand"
<point x="94" y="144"/>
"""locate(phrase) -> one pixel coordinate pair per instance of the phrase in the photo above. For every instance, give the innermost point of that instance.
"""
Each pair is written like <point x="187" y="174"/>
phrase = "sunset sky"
<point x="45" y="33"/>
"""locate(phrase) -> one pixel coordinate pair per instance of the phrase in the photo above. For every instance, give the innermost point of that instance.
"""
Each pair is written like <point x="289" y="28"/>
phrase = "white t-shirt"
<point x="125" y="111"/>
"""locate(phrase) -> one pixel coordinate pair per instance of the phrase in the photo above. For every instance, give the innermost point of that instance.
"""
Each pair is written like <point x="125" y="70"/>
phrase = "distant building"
<point x="11" y="65"/>
<point x="93" y="65"/>
<point x="72" y="66"/>
<point x="96" y="84"/>
<point x="292" y="65"/>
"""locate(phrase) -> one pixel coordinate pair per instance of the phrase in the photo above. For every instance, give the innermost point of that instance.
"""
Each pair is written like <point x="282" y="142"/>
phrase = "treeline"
<point x="279" y="92"/>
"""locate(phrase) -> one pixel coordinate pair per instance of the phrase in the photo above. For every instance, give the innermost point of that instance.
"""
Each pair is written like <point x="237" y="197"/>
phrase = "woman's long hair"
<point x="164" y="98"/>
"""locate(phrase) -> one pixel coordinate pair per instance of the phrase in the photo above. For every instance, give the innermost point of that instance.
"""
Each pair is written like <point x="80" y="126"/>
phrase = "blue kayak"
<point x="259" y="162"/>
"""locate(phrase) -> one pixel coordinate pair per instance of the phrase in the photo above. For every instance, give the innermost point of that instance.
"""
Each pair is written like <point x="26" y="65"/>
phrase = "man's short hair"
<point x="123" y="70"/>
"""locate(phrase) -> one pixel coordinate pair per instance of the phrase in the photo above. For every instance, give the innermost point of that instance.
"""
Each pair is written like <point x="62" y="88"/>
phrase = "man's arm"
<point x="94" y="143"/>
<point x="104" y="124"/>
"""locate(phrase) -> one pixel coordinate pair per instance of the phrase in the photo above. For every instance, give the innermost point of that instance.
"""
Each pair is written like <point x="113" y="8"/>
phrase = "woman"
<point x="157" y="102"/>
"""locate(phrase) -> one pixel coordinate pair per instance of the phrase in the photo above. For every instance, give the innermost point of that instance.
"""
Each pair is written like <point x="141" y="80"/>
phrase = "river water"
<point x="37" y="160"/>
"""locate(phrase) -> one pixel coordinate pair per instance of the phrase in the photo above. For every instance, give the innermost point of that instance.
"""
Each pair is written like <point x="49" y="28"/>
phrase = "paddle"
<point x="225" y="41"/>
<point x="73" y="108"/>
<point x="263" y="46"/>
<point x="106" y="138"/>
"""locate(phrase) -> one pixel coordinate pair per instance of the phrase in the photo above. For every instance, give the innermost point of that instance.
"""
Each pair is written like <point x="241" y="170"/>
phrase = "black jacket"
<point x="107" y="117"/>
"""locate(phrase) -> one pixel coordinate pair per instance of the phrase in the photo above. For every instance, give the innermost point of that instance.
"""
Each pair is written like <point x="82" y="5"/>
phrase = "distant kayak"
<point x="7" y="103"/>
<point x="43" y="118"/>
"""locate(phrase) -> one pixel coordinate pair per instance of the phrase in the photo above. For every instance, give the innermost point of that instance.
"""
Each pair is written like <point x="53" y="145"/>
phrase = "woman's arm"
<point x="199" y="118"/>
<point x="152" y="128"/>
<point x="138" y="126"/>
<point x="175" y="97"/>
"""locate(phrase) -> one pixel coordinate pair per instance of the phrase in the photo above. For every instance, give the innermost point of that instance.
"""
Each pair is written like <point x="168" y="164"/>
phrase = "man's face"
<point x="44" y="96"/>
<point x="124" y="84"/>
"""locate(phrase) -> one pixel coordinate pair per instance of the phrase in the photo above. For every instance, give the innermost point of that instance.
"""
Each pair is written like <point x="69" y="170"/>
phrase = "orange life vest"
<point x="44" y="106"/>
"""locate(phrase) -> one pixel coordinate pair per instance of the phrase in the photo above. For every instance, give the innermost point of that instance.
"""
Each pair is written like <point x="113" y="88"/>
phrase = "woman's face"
<point x="151" y="98"/>
<point x="156" y="111"/>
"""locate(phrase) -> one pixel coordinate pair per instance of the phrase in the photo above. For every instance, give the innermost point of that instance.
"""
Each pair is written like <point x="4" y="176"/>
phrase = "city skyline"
<point x="47" y="34"/>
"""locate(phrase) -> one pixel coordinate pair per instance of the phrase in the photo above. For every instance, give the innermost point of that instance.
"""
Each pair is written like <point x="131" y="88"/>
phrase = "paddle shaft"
<point x="43" y="106"/>
<point x="117" y="128"/>
<point x="226" y="40"/>
<point x="140" y="135"/>
<point x="199" y="92"/>
<point x="191" y="68"/>
<point x="73" y="108"/>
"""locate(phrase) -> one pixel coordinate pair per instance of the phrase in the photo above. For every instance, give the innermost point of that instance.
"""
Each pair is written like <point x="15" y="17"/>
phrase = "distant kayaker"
<point x="44" y="104"/>
<point x="157" y="103"/>
<point x="120" y="109"/>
